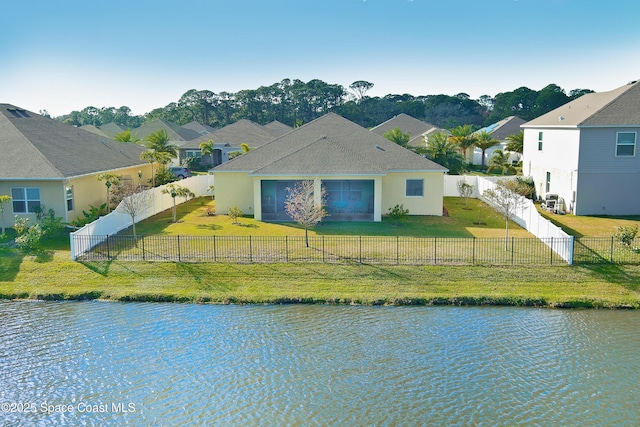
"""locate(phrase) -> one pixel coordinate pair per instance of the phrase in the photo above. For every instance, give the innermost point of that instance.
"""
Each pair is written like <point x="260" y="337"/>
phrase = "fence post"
<point x="435" y="249"/>
<point x="178" y="248"/>
<point x="397" y="249"/>
<point x="143" y="254"/>
<point x="360" y="249"/>
<point x="286" y="248"/>
<point x="473" y="252"/>
<point x="215" y="255"/>
<point x="551" y="252"/>
<point x="250" y="250"/>
<point x="108" y="249"/>
<point x="571" y="249"/>
<point x="611" y="251"/>
<point x="513" y="250"/>
<point x="323" y="248"/>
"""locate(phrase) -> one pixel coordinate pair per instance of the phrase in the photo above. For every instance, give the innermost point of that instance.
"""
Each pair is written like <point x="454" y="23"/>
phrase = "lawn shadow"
<point x="10" y="260"/>
<point x="614" y="273"/>
<point x="100" y="267"/>
<point x="242" y="224"/>
<point x="210" y="227"/>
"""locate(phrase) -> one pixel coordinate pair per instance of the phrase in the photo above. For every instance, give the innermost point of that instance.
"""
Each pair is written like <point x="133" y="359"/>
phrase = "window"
<point x="415" y="188"/>
<point x="25" y="199"/>
<point x="194" y="153"/>
<point x="548" y="181"/>
<point x="626" y="144"/>
<point x="539" y="141"/>
<point x="69" y="196"/>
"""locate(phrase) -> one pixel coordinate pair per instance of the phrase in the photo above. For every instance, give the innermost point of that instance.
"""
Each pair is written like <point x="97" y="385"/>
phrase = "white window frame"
<point x="618" y="144"/>
<point x="25" y="199"/>
<point x="406" y="187"/>
<point x="68" y="195"/>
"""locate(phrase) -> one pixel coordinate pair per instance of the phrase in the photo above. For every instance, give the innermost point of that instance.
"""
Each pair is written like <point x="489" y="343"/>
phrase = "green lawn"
<point x="590" y="226"/>
<point x="478" y="220"/>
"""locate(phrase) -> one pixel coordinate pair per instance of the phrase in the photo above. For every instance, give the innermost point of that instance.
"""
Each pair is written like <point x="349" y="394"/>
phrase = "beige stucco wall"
<point x="87" y="191"/>
<point x="394" y="190"/>
<point x="234" y="189"/>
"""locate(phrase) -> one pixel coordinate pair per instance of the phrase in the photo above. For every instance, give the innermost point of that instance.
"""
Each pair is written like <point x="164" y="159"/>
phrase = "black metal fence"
<point x="361" y="249"/>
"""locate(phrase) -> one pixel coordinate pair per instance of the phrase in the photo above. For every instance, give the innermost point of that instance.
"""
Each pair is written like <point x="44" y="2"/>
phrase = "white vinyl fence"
<point x="527" y="216"/>
<point x="118" y="220"/>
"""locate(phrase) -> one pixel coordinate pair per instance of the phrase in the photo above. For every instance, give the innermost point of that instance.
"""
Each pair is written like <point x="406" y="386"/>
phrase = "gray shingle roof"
<point x="504" y="128"/>
<point x="618" y="107"/>
<point x="329" y="145"/>
<point x="407" y="124"/>
<point x="199" y="127"/>
<point x="36" y="147"/>
<point x="175" y="132"/>
<point x="242" y="131"/>
<point x="277" y="128"/>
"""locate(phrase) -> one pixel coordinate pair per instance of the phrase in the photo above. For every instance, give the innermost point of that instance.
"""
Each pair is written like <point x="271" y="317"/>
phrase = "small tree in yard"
<point x="302" y="207"/>
<point x="134" y="203"/>
<point x="398" y="213"/>
<point x="234" y="213"/>
<point x="465" y="190"/>
<point x="176" y="190"/>
<point x="507" y="197"/>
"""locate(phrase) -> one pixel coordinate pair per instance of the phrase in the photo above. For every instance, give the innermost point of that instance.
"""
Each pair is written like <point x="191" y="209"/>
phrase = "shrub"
<point x="28" y="236"/>
<point x="93" y="214"/>
<point x="625" y="234"/>
<point x="234" y="213"/>
<point x="398" y="213"/>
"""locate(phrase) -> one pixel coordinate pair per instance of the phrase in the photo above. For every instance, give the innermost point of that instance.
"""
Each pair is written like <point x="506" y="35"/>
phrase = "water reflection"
<point x="178" y="364"/>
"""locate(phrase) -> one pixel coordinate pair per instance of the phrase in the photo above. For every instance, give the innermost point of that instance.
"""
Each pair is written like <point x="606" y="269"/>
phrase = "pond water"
<point x="146" y="364"/>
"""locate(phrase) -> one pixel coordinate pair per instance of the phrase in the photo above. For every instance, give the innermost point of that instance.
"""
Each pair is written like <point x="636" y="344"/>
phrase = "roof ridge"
<point x="630" y="86"/>
<point x="303" y="146"/>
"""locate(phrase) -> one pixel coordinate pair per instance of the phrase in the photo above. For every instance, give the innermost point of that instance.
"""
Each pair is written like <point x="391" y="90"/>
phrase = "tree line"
<point x="295" y="102"/>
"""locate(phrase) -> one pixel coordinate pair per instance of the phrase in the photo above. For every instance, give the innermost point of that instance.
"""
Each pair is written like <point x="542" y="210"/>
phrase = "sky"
<point x="65" y="55"/>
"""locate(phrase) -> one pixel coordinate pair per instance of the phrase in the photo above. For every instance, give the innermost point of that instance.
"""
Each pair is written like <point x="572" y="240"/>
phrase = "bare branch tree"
<point x="301" y="206"/>
<point x="507" y="197"/>
<point x="134" y="203"/>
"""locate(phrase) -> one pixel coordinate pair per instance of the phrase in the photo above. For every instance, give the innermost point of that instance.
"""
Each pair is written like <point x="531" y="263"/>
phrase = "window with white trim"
<point x="25" y="199"/>
<point x="626" y="144"/>
<point x="68" y="192"/>
<point x="414" y="188"/>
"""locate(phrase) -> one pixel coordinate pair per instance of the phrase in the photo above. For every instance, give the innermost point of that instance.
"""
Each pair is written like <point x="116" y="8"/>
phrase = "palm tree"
<point x="152" y="157"/>
<point x="484" y="141"/>
<point x="159" y="141"/>
<point x="126" y="136"/>
<point x="444" y="152"/>
<point x="206" y="148"/>
<point x="500" y="161"/>
<point x="396" y="135"/>
<point x="464" y="138"/>
<point x="515" y="142"/>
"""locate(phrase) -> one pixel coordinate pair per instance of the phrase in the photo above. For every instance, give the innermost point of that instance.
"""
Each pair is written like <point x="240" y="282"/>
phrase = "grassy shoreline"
<point x="53" y="276"/>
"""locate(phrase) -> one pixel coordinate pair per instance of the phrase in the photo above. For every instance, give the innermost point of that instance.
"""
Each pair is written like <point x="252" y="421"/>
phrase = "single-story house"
<point x="499" y="131"/>
<point x="363" y="174"/>
<point x="227" y="140"/>
<point x="417" y="129"/>
<point x="52" y="165"/>
<point x="586" y="152"/>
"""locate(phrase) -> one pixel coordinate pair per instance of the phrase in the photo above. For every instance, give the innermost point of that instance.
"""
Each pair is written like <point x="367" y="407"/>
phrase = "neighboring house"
<point x="499" y="131"/>
<point x="53" y="165"/>
<point x="199" y="127"/>
<point x="108" y="130"/>
<point x="176" y="133"/>
<point x="276" y="128"/>
<point x="586" y="152"/>
<point x="227" y="140"/>
<point x="363" y="173"/>
<point x="418" y="129"/>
